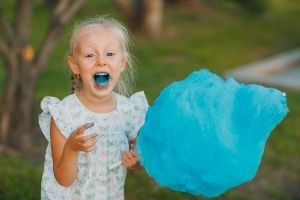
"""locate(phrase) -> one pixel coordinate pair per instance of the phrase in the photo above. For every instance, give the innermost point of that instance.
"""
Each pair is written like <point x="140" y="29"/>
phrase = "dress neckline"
<point x="99" y="113"/>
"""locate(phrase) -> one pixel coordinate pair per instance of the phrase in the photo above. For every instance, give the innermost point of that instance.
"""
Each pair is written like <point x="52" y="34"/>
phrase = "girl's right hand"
<point x="77" y="141"/>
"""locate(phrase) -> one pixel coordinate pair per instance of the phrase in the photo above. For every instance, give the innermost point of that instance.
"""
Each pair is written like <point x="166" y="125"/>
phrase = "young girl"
<point x="90" y="131"/>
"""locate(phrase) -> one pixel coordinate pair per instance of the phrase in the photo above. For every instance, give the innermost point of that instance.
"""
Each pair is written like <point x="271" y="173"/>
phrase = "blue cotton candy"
<point x="204" y="135"/>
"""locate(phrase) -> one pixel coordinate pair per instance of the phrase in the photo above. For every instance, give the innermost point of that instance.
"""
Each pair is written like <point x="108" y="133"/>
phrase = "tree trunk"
<point x="51" y="3"/>
<point x="16" y="118"/>
<point x="23" y="68"/>
<point x="153" y="15"/>
<point x="143" y="15"/>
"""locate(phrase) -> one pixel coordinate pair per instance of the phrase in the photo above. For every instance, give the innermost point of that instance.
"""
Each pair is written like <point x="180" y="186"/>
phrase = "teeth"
<point x="101" y="73"/>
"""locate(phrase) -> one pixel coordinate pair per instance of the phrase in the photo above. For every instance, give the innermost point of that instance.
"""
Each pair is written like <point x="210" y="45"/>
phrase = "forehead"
<point x="96" y="35"/>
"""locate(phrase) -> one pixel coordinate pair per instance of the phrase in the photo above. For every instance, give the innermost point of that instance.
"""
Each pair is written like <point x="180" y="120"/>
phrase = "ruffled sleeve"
<point x="138" y="111"/>
<point x="52" y="107"/>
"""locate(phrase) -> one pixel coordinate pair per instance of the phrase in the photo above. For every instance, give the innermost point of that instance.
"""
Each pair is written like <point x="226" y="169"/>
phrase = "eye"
<point x="110" y="54"/>
<point x="89" y="55"/>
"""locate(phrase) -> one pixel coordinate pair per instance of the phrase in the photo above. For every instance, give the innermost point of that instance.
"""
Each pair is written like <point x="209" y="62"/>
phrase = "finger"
<point x="91" y="146"/>
<point x="131" y="163"/>
<point x="89" y="143"/>
<point x="130" y="155"/>
<point x="89" y="149"/>
<point x="126" y="161"/>
<point x="90" y="137"/>
<point x="132" y="146"/>
<point x="88" y="125"/>
<point x="125" y="155"/>
<point x="73" y="142"/>
<point x="129" y="159"/>
<point x="86" y="138"/>
<point x="133" y="153"/>
<point x="82" y="128"/>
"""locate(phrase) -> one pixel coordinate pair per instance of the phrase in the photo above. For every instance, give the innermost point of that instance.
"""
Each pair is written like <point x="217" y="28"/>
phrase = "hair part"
<point x="127" y="78"/>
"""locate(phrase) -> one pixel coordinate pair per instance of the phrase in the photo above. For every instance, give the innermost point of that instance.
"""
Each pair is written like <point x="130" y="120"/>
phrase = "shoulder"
<point x="135" y="105"/>
<point x="134" y="108"/>
<point x="50" y="101"/>
<point x="53" y="107"/>
<point x="137" y="101"/>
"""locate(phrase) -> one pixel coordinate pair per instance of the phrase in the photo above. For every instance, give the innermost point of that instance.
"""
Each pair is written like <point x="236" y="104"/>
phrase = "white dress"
<point x="96" y="179"/>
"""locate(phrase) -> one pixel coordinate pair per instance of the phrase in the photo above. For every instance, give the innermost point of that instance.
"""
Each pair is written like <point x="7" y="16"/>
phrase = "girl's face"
<point x="97" y="55"/>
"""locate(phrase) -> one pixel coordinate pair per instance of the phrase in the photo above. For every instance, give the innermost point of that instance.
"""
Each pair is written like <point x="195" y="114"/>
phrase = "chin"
<point x="102" y="91"/>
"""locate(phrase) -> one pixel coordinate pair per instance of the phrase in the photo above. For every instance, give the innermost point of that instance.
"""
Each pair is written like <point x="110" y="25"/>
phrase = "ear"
<point x="123" y="64"/>
<point x="73" y="66"/>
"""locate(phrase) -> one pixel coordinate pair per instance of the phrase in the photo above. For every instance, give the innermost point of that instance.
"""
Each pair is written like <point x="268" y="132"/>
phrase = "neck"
<point x="103" y="104"/>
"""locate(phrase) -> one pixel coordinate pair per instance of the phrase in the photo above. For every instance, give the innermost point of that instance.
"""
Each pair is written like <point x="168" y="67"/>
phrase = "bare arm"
<point x="65" y="152"/>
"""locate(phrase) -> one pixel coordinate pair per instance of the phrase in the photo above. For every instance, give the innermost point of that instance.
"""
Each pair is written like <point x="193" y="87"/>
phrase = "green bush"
<point x="254" y="6"/>
<point x="250" y="6"/>
<point x="19" y="178"/>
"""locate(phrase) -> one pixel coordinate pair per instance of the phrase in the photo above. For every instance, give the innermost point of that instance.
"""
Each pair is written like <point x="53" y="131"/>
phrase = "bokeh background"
<point x="188" y="35"/>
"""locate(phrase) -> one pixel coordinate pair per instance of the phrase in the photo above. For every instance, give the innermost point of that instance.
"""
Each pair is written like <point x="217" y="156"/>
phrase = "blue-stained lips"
<point x="101" y="78"/>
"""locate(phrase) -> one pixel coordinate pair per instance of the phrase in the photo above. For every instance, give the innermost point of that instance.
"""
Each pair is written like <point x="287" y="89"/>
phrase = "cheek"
<point x="85" y="64"/>
<point x="117" y="70"/>
<point x="118" y="64"/>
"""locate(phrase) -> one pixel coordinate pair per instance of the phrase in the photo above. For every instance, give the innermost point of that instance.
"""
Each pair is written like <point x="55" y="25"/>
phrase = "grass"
<point x="216" y="38"/>
<point x="20" y="178"/>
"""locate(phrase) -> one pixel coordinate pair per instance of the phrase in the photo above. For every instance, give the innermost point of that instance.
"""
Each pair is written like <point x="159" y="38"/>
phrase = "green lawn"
<point x="215" y="38"/>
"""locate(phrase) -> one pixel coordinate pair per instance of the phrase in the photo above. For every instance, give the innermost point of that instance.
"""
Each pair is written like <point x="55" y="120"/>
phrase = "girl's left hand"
<point x="130" y="159"/>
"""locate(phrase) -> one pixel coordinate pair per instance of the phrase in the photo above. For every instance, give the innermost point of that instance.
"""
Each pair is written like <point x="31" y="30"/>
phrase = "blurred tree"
<point x="51" y="3"/>
<point x="23" y="67"/>
<point x="251" y="6"/>
<point x="144" y="15"/>
<point x="180" y="1"/>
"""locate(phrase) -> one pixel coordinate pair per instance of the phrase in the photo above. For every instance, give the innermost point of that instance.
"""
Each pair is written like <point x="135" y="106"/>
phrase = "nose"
<point x="101" y="61"/>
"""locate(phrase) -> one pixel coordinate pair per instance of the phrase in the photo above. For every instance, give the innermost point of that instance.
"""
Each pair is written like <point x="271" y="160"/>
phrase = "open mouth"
<point x="101" y="79"/>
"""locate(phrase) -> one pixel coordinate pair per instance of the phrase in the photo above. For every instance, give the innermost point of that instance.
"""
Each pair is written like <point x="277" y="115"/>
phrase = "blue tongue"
<point x="101" y="79"/>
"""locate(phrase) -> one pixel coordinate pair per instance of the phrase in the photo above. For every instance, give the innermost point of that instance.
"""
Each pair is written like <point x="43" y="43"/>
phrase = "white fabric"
<point x="95" y="180"/>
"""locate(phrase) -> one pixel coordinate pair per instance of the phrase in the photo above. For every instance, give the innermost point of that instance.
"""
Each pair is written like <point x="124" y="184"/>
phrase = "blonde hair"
<point x="127" y="77"/>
